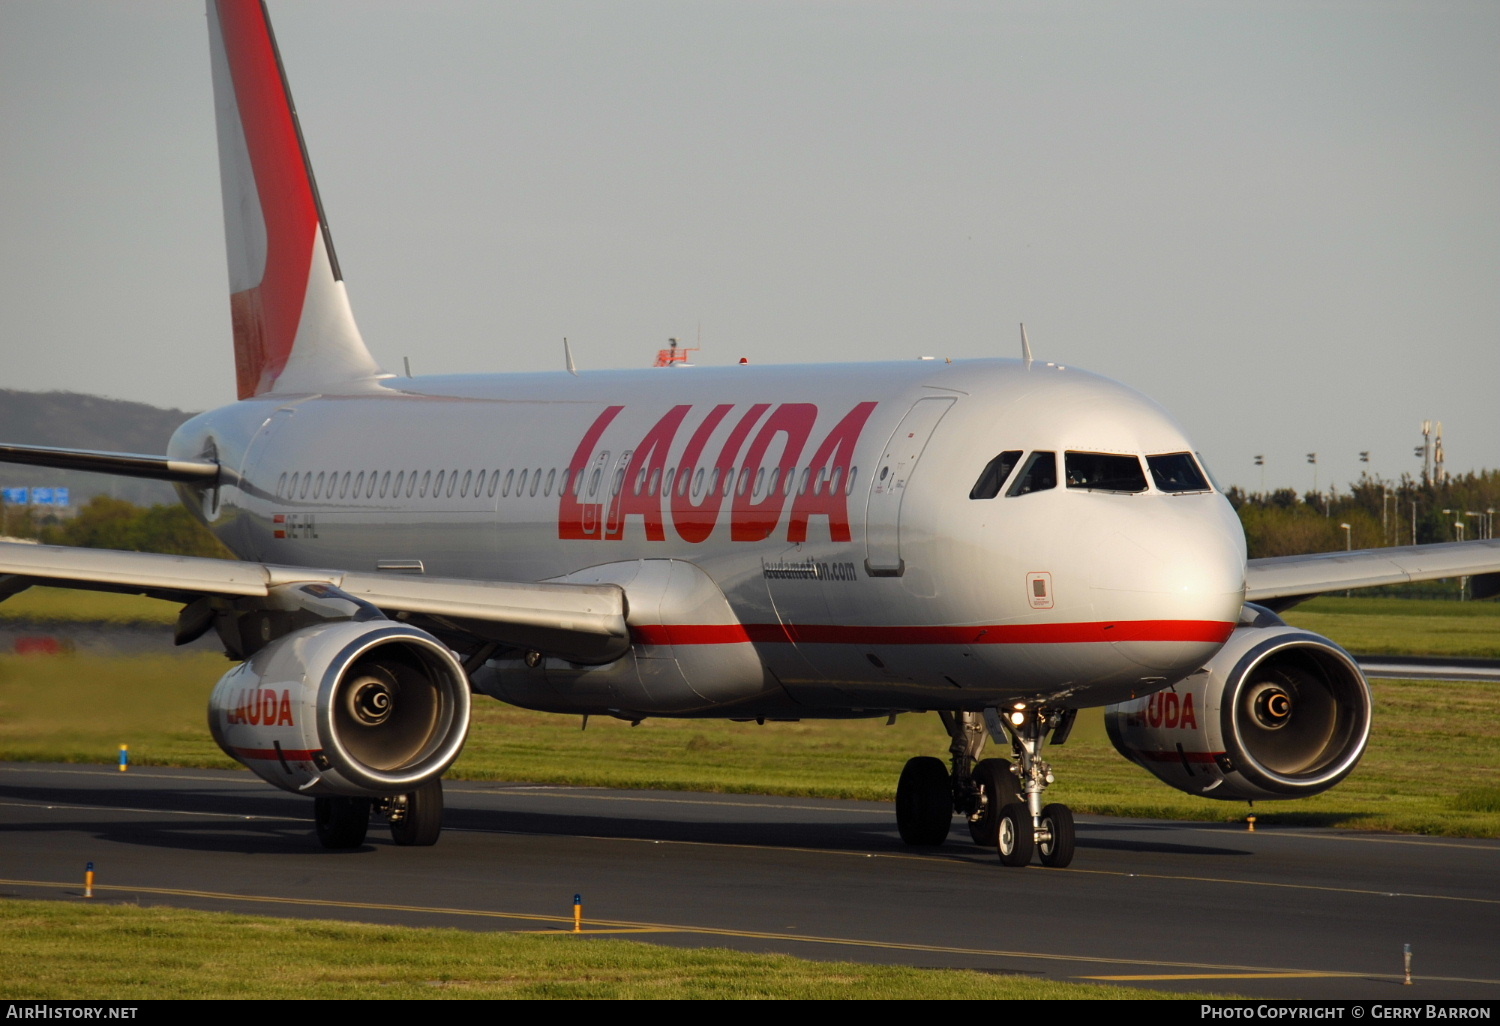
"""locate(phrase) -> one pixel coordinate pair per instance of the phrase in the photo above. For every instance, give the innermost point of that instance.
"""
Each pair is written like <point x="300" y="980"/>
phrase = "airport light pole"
<point x="1349" y="545"/>
<point x="1468" y="513"/>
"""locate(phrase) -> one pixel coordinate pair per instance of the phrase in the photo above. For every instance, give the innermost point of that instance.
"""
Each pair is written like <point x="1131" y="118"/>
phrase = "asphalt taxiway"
<point x="1278" y="913"/>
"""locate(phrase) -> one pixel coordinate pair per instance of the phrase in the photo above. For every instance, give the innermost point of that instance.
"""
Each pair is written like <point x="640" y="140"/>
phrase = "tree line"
<point x="1379" y="513"/>
<point x="109" y="523"/>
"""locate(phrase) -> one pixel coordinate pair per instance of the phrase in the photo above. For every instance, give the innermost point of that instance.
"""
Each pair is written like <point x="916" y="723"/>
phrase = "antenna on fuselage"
<point x="1025" y="345"/>
<point x="568" y="358"/>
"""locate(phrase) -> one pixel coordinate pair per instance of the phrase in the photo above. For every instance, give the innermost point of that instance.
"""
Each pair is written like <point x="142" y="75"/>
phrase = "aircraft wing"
<point x="568" y="619"/>
<point x="1282" y="581"/>
<point x="123" y="464"/>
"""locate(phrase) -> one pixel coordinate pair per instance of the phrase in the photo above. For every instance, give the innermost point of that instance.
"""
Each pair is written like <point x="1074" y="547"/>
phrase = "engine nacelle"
<point x="1278" y="713"/>
<point x="370" y="708"/>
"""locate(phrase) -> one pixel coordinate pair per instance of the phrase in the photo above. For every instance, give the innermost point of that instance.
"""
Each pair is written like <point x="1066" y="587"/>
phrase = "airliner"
<point x="1001" y="542"/>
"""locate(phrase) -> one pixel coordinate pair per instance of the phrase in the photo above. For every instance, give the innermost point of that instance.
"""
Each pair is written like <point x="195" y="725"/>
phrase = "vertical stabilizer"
<point x="293" y="329"/>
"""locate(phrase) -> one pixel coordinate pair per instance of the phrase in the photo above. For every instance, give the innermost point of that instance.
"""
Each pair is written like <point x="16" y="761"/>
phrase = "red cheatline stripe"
<point x="693" y="634"/>
<point x="271" y="755"/>
<point x="995" y="634"/>
<point x="1177" y="757"/>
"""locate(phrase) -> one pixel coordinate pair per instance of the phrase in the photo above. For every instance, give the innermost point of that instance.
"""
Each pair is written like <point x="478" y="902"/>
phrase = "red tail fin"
<point x="293" y="329"/>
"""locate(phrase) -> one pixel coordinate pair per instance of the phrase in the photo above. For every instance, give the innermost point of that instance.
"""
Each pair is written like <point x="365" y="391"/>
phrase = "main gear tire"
<point x="924" y="802"/>
<point x="422" y="821"/>
<point x="341" y="822"/>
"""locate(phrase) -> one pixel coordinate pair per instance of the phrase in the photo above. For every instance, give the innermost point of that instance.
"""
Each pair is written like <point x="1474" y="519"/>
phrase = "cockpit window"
<point x="999" y="468"/>
<point x="1105" y="472"/>
<point x="1177" y="472"/>
<point x="1039" y="475"/>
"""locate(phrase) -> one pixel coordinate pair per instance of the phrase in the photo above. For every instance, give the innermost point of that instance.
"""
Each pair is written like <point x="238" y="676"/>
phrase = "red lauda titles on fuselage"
<point x="599" y="501"/>
<point x="261" y="706"/>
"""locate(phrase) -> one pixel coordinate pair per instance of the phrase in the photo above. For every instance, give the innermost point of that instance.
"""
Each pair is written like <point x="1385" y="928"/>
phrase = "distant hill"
<point x="75" y="421"/>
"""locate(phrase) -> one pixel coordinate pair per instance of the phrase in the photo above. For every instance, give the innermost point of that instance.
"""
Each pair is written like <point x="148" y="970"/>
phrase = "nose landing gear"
<point x="1002" y="800"/>
<point x="1051" y="826"/>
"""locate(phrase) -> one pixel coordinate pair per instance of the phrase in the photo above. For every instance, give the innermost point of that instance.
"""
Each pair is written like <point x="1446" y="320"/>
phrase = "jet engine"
<point x="1278" y="713"/>
<point x="369" y="709"/>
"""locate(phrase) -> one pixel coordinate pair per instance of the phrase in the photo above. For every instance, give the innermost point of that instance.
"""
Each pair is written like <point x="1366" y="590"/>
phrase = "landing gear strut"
<point x="1028" y="825"/>
<point x="1002" y="800"/>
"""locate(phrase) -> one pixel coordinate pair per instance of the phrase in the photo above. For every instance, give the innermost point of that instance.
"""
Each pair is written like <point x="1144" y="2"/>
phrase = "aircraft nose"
<point x="1176" y="568"/>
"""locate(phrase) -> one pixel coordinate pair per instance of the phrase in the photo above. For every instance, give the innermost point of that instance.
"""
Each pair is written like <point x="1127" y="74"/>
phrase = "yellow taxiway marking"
<point x="623" y="929"/>
<point x="1217" y="976"/>
<point x="610" y="925"/>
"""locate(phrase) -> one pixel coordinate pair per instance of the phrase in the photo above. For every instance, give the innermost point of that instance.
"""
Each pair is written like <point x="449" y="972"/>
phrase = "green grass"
<point x="56" y="605"/>
<point x="59" y="950"/>
<point x="81" y="708"/>
<point x="1373" y="626"/>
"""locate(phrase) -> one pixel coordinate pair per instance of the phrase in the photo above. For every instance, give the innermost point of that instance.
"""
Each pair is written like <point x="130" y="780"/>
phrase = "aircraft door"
<point x="614" y="524"/>
<point x="888" y="485"/>
<point x="591" y="488"/>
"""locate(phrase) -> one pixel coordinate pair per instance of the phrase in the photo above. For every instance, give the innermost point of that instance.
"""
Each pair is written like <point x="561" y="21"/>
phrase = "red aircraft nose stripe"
<point x="1214" y="631"/>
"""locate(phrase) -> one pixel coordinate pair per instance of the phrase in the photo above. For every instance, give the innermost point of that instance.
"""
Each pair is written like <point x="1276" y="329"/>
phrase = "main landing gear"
<point x="1001" y="799"/>
<point x="416" y="819"/>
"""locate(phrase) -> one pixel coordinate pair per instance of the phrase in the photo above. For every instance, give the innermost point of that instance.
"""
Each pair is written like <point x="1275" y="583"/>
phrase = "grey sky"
<point x="1281" y="220"/>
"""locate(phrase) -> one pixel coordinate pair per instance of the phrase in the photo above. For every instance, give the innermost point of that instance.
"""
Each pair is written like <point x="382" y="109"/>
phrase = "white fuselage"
<point x="864" y="578"/>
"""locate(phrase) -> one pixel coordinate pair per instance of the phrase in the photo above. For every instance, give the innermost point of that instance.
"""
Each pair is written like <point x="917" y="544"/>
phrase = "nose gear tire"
<point x="1057" y="850"/>
<point x="1015" y="836"/>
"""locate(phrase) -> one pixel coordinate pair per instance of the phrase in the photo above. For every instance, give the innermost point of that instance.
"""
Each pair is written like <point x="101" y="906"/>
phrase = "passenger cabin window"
<point x="1105" y="472"/>
<point x="1177" y="472"/>
<point x="993" y="478"/>
<point x="1039" y="474"/>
